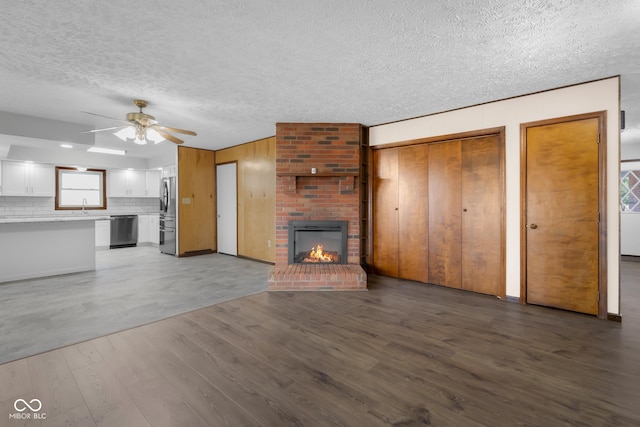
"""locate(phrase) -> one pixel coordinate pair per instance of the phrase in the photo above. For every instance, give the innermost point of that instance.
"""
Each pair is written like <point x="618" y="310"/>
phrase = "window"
<point x="80" y="189"/>
<point x="630" y="191"/>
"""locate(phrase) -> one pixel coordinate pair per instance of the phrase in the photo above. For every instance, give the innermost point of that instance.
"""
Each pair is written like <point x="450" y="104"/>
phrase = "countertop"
<point x="52" y="218"/>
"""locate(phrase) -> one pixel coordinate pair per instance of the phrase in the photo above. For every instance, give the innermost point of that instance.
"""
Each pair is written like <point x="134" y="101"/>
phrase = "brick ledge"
<point x="308" y="277"/>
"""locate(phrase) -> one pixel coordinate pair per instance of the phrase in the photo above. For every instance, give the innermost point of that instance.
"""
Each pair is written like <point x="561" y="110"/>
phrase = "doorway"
<point x="227" y="201"/>
<point x="563" y="220"/>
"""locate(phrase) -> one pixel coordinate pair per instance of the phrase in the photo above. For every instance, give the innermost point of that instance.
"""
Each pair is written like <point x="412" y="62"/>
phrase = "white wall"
<point x="630" y="151"/>
<point x="630" y="234"/>
<point x="510" y="113"/>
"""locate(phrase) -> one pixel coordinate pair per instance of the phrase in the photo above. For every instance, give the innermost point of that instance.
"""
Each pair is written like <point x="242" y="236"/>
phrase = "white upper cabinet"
<point x="153" y="183"/>
<point x="28" y="179"/>
<point x="133" y="183"/>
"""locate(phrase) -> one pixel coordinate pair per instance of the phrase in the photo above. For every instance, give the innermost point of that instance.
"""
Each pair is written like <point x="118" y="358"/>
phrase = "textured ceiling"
<point x="231" y="69"/>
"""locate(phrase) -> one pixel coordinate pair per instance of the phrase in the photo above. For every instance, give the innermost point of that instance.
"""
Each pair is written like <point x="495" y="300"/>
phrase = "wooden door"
<point x="385" y="212"/>
<point x="482" y="247"/>
<point x="561" y="215"/>
<point x="196" y="201"/>
<point x="413" y="204"/>
<point x="445" y="230"/>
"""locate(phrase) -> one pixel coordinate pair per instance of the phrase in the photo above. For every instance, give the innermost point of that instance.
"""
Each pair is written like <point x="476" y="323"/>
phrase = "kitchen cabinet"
<point x="148" y="229"/>
<point x="103" y="234"/>
<point x="169" y="171"/>
<point x="28" y="179"/>
<point x="133" y="183"/>
<point x="153" y="179"/>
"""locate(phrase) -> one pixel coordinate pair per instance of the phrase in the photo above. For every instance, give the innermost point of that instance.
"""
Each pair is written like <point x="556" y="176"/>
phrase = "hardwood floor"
<point x="402" y="354"/>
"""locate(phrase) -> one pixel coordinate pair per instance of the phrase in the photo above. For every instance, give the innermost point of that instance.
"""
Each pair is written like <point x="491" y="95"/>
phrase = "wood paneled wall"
<point x="256" y="196"/>
<point x="196" y="201"/>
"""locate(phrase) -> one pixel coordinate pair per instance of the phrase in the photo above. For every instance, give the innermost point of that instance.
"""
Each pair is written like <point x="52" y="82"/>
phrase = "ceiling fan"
<point x="140" y="127"/>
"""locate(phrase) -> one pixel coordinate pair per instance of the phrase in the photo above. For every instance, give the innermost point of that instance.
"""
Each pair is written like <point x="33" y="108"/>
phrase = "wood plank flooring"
<point x="402" y="354"/>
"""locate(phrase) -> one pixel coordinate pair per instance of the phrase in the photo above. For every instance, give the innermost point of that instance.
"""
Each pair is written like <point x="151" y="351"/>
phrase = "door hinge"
<point x="598" y="296"/>
<point x="598" y="217"/>
<point x="598" y="142"/>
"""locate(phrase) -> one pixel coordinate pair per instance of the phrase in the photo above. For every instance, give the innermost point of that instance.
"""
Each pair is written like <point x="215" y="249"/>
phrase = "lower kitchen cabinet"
<point x="148" y="229"/>
<point x="103" y="234"/>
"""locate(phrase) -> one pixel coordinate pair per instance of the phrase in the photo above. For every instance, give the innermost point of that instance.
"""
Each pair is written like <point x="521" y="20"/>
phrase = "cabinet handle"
<point x="533" y="226"/>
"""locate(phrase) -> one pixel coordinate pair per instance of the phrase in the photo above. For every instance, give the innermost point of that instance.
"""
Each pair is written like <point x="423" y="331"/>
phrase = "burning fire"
<point x="317" y="254"/>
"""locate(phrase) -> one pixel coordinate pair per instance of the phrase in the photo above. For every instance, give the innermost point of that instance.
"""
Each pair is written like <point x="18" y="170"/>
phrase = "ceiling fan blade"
<point x="106" y="117"/>
<point x="100" y="130"/>
<point x="167" y="136"/>
<point x="169" y="129"/>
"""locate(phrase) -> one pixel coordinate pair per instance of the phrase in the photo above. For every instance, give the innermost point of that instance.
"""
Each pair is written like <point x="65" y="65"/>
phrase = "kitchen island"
<point x="46" y="246"/>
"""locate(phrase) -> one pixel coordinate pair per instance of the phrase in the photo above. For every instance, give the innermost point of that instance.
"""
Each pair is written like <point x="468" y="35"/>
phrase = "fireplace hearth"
<point x="318" y="242"/>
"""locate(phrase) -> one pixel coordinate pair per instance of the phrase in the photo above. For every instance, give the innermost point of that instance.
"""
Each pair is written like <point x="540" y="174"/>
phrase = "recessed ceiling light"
<point x="66" y="145"/>
<point x="107" y="151"/>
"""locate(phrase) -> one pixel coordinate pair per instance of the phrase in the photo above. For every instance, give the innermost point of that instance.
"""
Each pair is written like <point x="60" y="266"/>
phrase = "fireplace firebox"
<point x="318" y="242"/>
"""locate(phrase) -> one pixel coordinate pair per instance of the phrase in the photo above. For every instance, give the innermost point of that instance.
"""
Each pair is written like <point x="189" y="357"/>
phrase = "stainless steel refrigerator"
<point x="168" y="216"/>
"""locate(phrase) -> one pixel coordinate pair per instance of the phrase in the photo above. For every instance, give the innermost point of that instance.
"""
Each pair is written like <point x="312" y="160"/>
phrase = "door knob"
<point x="533" y="226"/>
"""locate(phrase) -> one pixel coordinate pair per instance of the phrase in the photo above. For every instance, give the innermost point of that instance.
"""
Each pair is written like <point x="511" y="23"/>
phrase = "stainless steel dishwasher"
<point x="124" y="231"/>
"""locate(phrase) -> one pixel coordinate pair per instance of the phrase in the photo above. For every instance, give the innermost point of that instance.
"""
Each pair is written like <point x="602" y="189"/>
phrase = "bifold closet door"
<point x="445" y="209"/>
<point x="413" y="208"/>
<point x="482" y="215"/>
<point x="385" y="212"/>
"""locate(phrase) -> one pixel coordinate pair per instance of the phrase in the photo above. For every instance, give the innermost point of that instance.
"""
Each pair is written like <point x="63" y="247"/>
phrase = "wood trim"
<point x="245" y="143"/>
<point x="523" y="215"/>
<point x="57" y="206"/>
<point x="370" y="175"/>
<point x="196" y="253"/>
<point x="255" y="259"/>
<point x="503" y="215"/>
<point x="602" y="203"/>
<point x="614" y="317"/>
<point x="442" y="138"/>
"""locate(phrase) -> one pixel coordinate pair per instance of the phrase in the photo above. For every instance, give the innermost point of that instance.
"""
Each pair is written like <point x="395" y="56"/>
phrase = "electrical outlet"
<point x="268" y="243"/>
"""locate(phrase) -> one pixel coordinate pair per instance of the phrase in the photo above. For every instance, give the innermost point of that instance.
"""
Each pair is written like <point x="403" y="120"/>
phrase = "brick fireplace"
<point x="318" y="179"/>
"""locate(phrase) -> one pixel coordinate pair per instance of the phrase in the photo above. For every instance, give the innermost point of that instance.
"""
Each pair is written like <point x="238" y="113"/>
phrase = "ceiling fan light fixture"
<point x="139" y="128"/>
<point x="154" y="136"/>
<point x="126" y="134"/>
<point x="141" y="135"/>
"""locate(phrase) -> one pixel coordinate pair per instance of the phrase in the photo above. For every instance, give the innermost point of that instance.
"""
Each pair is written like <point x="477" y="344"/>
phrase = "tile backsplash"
<point x="45" y="206"/>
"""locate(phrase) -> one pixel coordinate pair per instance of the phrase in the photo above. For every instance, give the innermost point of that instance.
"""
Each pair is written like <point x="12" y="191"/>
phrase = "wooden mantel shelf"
<point x="318" y="174"/>
<point x="296" y="175"/>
